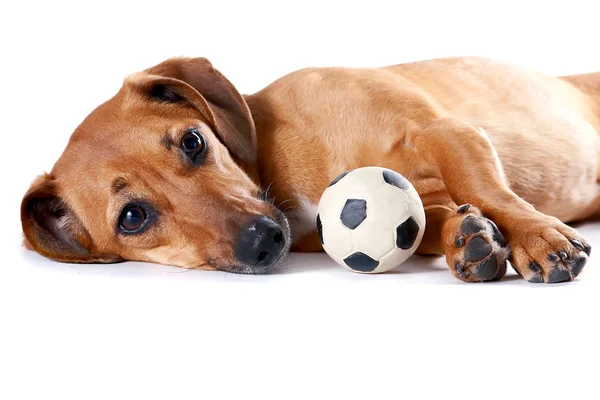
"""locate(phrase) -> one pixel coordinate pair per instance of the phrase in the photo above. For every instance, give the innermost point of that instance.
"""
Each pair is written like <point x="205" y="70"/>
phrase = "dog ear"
<point x="228" y="110"/>
<point x="52" y="229"/>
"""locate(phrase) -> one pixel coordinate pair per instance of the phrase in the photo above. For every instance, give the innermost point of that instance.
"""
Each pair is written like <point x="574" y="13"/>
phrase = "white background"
<point x="314" y="330"/>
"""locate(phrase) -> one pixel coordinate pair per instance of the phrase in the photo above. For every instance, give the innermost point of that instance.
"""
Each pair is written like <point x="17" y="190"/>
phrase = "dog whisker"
<point x="283" y="202"/>
<point x="266" y="191"/>
<point x="269" y="187"/>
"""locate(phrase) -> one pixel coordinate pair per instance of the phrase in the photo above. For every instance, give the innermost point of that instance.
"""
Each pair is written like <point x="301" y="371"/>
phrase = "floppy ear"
<point x="52" y="229"/>
<point x="228" y="111"/>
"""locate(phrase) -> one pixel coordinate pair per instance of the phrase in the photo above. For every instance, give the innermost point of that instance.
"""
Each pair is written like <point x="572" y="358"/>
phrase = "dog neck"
<point x="262" y="117"/>
<point x="252" y="170"/>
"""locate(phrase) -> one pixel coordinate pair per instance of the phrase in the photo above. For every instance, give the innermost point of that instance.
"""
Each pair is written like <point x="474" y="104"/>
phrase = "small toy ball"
<point x="370" y="219"/>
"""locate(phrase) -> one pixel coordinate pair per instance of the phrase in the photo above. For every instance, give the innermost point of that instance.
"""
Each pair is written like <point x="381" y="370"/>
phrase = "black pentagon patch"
<point x="406" y="233"/>
<point x="320" y="228"/>
<point x="361" y="262"/>
<point x="338" y="178"/>
<point x="354" y="212"/>
<point x="395" y="179"/>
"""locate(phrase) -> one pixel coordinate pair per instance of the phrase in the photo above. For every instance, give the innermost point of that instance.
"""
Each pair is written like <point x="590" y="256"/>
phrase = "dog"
<point x="179" y="168"/>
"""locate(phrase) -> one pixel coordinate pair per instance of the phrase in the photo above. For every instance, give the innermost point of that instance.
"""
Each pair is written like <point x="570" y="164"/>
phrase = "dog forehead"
<point x="109" y="122"/>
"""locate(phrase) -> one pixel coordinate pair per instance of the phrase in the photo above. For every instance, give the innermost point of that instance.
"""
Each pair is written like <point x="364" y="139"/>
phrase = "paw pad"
<point x="578" y="265"/>
<point x="471" y="225"/>
<point x="477" y="249"/>
<point x="563" y="268"/>
<point x="488" y="269"/>
<point x="558" y="275"/>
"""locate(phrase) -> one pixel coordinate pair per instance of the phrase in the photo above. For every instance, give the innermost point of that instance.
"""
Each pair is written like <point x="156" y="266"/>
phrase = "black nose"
<point x="260" y="242"/>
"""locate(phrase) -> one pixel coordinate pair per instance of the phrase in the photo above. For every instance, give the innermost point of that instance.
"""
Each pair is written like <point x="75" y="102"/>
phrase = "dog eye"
<point x="132" y="219"/>
<point x="193" y="144"/>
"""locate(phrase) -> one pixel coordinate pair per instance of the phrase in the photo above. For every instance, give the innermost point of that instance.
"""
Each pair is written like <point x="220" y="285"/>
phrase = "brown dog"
<point x="174" y="168"/>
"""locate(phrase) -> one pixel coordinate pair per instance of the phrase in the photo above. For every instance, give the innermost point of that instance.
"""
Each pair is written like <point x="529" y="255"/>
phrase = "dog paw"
<point x="544" y="250"/>
<point x="475" y="249"/>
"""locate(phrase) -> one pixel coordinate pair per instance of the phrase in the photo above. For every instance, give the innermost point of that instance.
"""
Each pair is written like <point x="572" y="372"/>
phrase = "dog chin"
<point x="249" y="270"/>
<point x="257" y="270"/>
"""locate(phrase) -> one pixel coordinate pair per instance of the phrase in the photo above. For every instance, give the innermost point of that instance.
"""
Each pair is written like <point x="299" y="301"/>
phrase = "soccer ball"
<point x="370" y="219"/>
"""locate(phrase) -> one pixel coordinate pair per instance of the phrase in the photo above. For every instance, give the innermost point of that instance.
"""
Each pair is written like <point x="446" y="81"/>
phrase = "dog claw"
<point x="553" y="258"/>
<point x="535" y="267"/>
<point x="577" y="244"/>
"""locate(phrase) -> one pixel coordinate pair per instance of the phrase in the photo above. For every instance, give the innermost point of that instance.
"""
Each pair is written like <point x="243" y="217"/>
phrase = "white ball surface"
<point x="370" y="220"/>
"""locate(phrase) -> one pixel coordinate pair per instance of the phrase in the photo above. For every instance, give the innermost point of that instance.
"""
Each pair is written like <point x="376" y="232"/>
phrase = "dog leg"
<point x="543" y="249"/>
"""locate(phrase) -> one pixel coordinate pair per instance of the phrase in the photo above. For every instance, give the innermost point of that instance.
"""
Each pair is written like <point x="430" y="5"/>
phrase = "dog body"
<point x="315" y="123"/>
<point x="464" y="130"/>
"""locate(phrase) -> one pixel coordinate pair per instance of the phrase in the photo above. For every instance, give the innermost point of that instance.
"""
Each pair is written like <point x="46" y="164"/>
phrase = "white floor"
<point x="313" y="331"/>
<point x="137" y="330"/>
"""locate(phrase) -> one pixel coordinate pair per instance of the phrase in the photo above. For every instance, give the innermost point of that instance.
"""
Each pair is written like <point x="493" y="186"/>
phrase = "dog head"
<point x="157" y="174"/>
